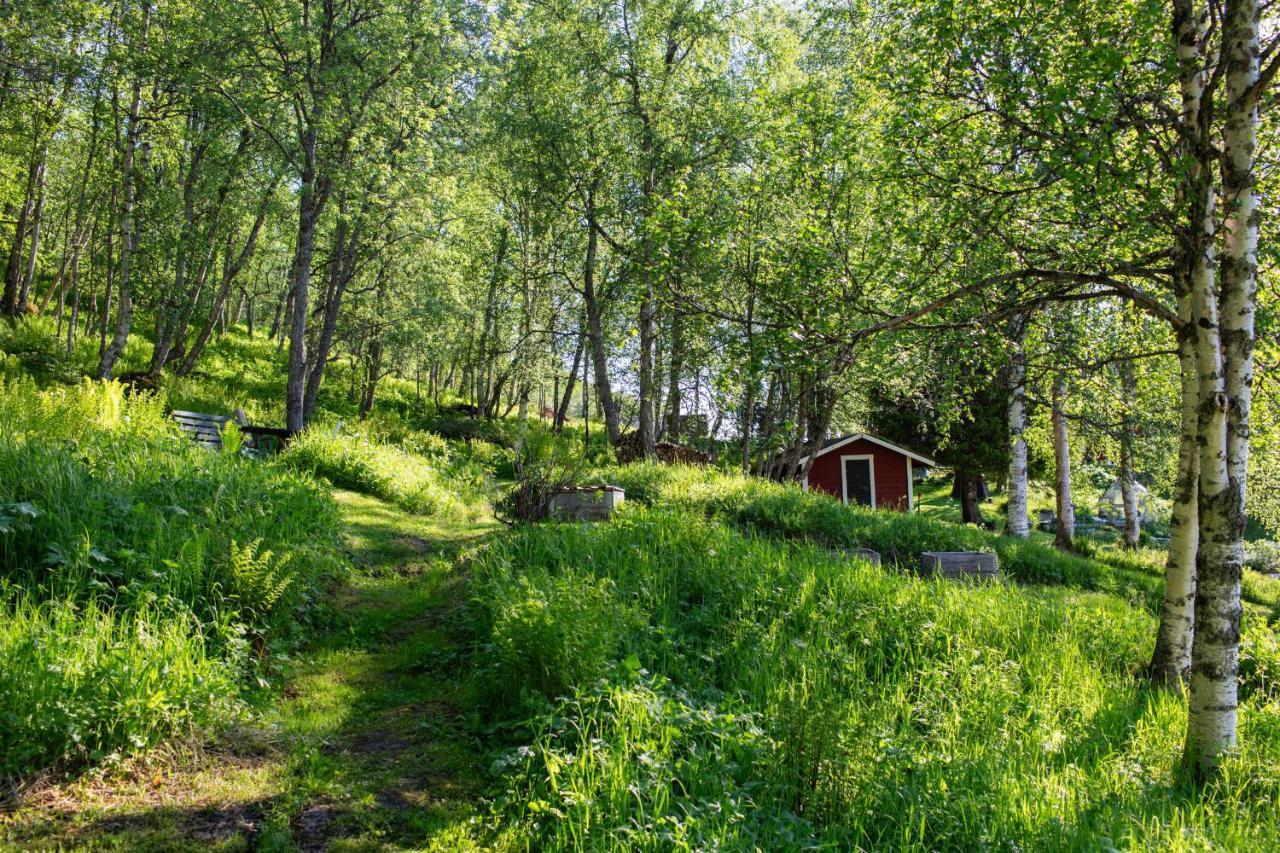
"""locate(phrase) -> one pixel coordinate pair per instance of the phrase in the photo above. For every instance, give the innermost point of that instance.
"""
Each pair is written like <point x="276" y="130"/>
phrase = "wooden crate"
<point x="587" y="503"/>
<point x="959" y="564"/>
<point x="856" y="554"/>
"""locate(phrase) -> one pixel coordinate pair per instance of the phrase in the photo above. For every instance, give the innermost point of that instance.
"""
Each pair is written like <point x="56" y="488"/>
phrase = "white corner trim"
<point x="911" y="487"/>
<point x="844" y="486"/>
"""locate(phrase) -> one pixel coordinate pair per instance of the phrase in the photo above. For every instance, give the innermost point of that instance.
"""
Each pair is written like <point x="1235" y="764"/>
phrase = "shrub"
<point x="1263" y="556"/>
<point x="544" y="464"/>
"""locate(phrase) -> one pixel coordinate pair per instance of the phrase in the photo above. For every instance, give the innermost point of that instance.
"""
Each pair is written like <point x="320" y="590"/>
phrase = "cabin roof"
<point x="840" y="441"/>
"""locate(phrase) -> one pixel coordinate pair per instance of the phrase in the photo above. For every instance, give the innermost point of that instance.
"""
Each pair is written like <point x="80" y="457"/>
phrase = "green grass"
<point x="143" y="582"/>
<point x="710" y="687"/>
<point x="434" y="481"/>
<point x="370" y="744"/>
<point x="227" y="655"/>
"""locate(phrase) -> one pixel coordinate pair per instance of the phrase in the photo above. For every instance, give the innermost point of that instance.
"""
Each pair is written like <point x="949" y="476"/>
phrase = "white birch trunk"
<point x="1128" y="485"/>
<point x="1062" y="464"/>
<point x="1017" y="524"/>
<point x="1171" y="659"/>
<point x="1224" y="410"/>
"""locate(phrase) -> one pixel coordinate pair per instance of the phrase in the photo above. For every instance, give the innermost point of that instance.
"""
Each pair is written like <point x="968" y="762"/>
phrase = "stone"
<point x="586" y="503"/>
<point x="977" y="565"/>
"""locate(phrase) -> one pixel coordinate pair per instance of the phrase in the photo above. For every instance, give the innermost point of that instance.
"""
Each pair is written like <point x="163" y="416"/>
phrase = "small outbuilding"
<point x="867" y="470"/>
<point x="1111" y="504"/>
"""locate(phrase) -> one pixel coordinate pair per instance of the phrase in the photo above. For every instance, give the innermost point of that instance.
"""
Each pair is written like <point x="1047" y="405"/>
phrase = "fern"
<point x="259" y="581"/>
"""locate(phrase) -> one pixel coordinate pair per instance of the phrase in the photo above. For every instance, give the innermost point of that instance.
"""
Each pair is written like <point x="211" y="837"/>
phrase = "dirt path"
<point x="366" y="748"/>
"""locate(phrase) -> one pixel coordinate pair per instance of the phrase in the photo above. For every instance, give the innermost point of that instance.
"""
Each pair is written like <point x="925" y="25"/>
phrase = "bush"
<point x="1263" y="556"/>
<point x="544" y="464"/>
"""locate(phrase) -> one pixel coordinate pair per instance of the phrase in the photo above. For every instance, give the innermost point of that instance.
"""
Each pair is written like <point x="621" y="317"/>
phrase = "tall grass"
<point x="735" y="690"/>
<point x="135" y="574"/>
<point x="787" y="511"/>
<point x="79" y="681"/>
<point x="433" y="482"/>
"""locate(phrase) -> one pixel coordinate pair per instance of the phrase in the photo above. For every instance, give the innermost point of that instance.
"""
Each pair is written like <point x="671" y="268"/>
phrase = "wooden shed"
<point x="863" y="469"/>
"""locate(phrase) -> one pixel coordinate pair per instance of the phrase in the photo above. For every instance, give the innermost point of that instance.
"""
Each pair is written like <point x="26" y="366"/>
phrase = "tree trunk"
<point x="648" y="343"/>
<point x="675" y="368"/>
<point x="128" y="237"/>
<point x="108" y="284"/>
<point x="562" y="408"/>
<point x="967" y="489"/>
<point x="1225" y="401"/>
<point x="310" y="204"/>
<point x="14" y="268"/>
<point x="1066" y="527"/>
<point x="37" y="216"/>
<point x="371" y="380"/>
<point x="342" y="264"/>
<point x="764" y="451"/>
<point x="1016" y="524"/>
<point x="1128" y="482"/>
<point x="1171" y="659"/>
<point x="595" y="329"/>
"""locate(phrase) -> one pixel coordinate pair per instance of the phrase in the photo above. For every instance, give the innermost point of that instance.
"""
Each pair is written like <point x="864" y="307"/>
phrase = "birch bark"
<point x="1225" y="398"/>
<point x="1171" y="659"/>
<point x="1062" y="464"/>
<point x="1017" y="513"/>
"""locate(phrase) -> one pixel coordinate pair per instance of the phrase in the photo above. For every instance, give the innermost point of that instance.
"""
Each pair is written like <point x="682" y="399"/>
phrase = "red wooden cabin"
<point x="866" y="470"/>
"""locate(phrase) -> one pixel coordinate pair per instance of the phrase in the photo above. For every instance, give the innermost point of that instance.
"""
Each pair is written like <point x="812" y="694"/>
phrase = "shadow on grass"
<point x="383" y="748"/>
<point x="371" y="743"/>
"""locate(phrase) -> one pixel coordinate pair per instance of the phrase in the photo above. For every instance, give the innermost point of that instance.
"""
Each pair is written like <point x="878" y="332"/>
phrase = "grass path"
<point x="365" y="748"/>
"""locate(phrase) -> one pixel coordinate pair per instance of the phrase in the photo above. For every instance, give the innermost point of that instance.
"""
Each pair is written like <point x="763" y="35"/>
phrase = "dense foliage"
<point x="143" y="579"/>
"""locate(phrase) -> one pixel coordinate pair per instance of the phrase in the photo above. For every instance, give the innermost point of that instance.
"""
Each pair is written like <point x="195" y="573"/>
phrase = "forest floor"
<point x="365" y="747"/>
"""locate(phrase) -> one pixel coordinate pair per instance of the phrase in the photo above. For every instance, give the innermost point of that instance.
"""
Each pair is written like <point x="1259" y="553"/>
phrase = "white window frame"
<point x="844" y="486"/>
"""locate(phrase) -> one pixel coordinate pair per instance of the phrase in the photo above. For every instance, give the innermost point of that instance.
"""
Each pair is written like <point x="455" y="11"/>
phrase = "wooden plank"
<point x="205" y="430"/>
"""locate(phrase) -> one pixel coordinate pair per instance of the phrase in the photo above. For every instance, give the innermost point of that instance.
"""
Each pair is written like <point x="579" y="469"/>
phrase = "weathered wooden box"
<point x="586" y="503"/>
<point x="959" y="564"/>
<point x="856" y="554"/>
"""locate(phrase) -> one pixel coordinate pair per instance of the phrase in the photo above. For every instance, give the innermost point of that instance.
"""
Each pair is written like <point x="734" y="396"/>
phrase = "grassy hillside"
<point x="143" y="580"/>
<point x="701" y="672"/>
<point x="679" y="679"/>
<point x="151" y="588"/>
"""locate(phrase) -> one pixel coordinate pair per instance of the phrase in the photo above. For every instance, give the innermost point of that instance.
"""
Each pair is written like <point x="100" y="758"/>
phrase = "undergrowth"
<point x="143" y="579"/>
<point x="434" y="481"/>
<point x="900" y="537"/>
<point x="674" y="681"/>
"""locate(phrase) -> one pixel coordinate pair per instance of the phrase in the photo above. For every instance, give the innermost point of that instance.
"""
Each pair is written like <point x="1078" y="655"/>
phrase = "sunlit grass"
<point x="710" y="687"/>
